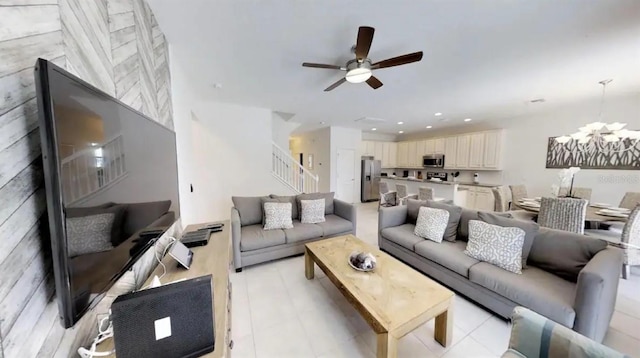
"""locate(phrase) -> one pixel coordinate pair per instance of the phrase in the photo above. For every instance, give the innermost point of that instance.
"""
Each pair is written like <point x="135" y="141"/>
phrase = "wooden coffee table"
<point x="394" y="298"/>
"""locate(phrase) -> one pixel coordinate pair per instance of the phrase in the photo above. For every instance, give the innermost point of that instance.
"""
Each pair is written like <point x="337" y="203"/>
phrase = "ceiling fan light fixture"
<point x="358" y="75"/>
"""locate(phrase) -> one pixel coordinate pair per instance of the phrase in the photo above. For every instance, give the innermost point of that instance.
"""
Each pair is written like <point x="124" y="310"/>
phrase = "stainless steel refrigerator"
<point x="370" y="188"/>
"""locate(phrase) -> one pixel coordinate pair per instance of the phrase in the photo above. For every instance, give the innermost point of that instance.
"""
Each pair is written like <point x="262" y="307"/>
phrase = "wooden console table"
<point x="213" y="259"/>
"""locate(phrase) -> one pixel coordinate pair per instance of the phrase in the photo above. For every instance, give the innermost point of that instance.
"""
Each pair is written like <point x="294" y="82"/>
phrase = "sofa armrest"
<point x="533" y="335"/>
<point x="596" y="293"/>
<point x="390" y="217"/>
<point x="346" y="211"/>
<point x="235" y="238"/>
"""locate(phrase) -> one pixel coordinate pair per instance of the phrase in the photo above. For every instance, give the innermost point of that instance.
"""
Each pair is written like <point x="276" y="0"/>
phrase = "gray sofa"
<point x="569" y="278"/>
<point x="253" y="245"/>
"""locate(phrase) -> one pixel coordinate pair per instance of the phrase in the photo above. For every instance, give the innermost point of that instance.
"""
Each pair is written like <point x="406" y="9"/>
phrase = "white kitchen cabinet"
<point x="393" y="154"/>
<point x="403" y="154"/>
<point x="438" y="146"/>
<point x="420" y="152"/>
<point x="371" y="148"/>
<point x="476" y="152"/>
<point x="412" y="150"/>
<point x="462" y="151"/>
<point x="478" y="198"/>
<point x="493" y="150"/>
<point x="430" y="147"/>
<point x="363" y="147"/>
<point x="377" y="150"/>
<point x="450" y="151"/>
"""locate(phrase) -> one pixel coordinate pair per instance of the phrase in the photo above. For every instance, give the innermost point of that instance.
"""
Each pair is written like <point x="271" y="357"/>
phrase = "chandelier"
<point x="601" y="136"/>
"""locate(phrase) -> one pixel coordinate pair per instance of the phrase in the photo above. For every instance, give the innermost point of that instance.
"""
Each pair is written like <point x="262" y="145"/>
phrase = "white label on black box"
<point x="163" y="328"/>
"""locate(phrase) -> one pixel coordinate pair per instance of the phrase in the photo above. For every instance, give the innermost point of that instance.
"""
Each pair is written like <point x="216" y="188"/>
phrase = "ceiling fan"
<point x="360" y="69"/>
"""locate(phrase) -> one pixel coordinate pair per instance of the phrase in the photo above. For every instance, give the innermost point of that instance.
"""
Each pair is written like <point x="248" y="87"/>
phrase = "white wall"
<point x="317" y="143"/>
<point x="281" y="130"/>
<point x="346" y="138"/>
<point x="224" y="150"/>
<point x="526" y="147"/>
<point x="381" y="137"/>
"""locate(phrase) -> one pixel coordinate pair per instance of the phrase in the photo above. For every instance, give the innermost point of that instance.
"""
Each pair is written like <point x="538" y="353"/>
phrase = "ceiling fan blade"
<point x="374" y="82"/>
<point x="363" y="44"/>
<point x="320" y="65"/>
<point x="397" y="61"/>
<point x="338" y="83"/>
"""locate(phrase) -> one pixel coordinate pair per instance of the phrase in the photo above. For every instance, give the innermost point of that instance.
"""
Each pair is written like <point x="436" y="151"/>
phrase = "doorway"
<point x="346" y="175"/>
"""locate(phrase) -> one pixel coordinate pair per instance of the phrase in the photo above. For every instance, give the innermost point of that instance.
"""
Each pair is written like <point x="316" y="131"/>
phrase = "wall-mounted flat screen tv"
<point x="110" y="175"/>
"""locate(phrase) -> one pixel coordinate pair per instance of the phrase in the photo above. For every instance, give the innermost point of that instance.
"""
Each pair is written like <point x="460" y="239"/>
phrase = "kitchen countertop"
<point x="487" y="185"/>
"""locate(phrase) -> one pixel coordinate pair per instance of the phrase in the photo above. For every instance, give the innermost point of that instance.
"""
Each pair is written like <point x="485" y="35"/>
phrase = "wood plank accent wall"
<point x="117" y="46"/>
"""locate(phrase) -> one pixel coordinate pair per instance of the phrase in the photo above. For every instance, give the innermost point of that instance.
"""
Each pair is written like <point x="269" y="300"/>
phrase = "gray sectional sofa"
<point x="569" y="278"/>
<point x="253" y="245"/>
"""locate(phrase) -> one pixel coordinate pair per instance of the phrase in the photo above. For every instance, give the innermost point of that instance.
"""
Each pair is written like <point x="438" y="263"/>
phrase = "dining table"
<point x="592" y="212"/>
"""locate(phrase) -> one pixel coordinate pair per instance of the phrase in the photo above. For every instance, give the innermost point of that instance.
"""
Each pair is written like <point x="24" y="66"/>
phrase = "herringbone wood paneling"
<point x="117" y="46"/>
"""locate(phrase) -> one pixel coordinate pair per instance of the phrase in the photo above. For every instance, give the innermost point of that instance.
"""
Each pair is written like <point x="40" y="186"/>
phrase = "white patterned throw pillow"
<point x="312" y="211"/>
<point x="431" y="223"/>
<point x="277" y="216"/>
<point x="497" y="245"/>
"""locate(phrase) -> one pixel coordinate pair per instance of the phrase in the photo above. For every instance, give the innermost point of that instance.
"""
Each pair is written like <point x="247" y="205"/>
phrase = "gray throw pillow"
<point x="89" y="234"/>
<point x="530" y="228"/>
<point x="288" y="199"/>
<point x="431" y="223"/>
<point x="312" y="211"/>
<point x="468" y="215"/>
<point x="328" y="201"/>
<point x="499" y="246"/>
<point x="563" y="253"/>
<point x="413" y="207"/>
<point x="277" y="216"/>
<point x="249" y="208"/>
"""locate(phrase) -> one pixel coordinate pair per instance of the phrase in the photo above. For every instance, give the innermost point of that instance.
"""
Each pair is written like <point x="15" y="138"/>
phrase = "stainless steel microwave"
<point x="433" y="161"/>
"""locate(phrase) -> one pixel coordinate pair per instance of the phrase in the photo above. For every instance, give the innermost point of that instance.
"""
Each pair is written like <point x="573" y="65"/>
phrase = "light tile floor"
<point x="278" y="313"/>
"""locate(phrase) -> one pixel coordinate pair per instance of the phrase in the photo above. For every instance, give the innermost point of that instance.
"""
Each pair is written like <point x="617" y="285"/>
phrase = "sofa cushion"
<point x="536" y="289"/>
<point x="467" y="215"/>
<point x="413" y="207"/>
<point x="287" y="199"/>
<point x="530" y="230"/>
<point x="253" y="237"/>
<point x="301" y="232"/>
<point x="448" y="254"/>
<point x="402" y="235"/>
<point x="328" y="201"/>
<point x="249" y="208"/>
<point x="563" y="253"/>
<point x="334" y="224"/>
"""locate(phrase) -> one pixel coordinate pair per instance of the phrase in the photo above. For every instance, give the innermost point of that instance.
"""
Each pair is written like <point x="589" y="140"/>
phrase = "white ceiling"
<point x="482" y="59"/>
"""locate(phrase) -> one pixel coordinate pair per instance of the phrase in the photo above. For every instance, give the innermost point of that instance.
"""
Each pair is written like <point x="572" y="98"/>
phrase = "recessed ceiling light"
<point x="322" y="122"/>
<point x="429" y="127"/>
<point x="400" y="132"/>
<point x="437" y="114"/>
<point x="467" y="120"/>
<point x="216" y="85"/>
<point x="374" y="129"/>
<point x="400" y="122"/>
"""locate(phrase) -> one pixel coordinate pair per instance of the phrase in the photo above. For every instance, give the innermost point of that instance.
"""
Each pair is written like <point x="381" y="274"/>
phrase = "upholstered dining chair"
<point x="628" y="241"/>
<point x="567" y="214"/>
<point x="401" y="189"/>
<point x="384" y="187"/>
<point x="387" y="198"/>
<point x="630" y="200"/>
<point x="502" y="196"/>
<point x="517" y="192"/>
<point x="581" y="193"/>
<point x="425" y="193"/>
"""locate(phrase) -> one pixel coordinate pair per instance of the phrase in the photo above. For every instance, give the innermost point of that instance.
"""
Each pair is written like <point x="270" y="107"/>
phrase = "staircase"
<point x="286" y="169"/>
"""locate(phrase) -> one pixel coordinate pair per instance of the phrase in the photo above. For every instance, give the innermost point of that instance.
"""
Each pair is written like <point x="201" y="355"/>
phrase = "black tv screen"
<point x="110" y="175"/>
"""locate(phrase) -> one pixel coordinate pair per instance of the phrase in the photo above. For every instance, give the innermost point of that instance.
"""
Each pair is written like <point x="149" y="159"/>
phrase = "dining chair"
<point x="401" y="189"/>
<point x="581" y="193"/>
<point x="517" y="192"/>
<point x="425" y="193"/>
<point x="628" y="241"/>
<point x="501" y="194"/>
<point x="387" y="198"/>
<point x="630" y="200"/>
<point x="567" y="214"/>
